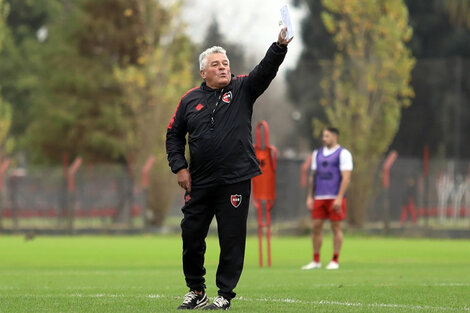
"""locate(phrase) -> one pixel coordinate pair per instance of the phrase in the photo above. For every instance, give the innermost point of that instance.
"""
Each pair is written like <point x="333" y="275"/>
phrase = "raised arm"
<point x="262" y="75"/>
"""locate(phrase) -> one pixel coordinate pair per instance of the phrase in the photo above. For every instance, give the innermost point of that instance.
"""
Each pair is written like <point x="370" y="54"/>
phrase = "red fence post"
<point x="389" y="160"/>
<point x="304" y="169"/>
<point x="71" y="173"/>
<point x="3" y="168"/>
<point x="426" y="184"/>
<point x="72" y="170"/>
<point x="145" y="185"/>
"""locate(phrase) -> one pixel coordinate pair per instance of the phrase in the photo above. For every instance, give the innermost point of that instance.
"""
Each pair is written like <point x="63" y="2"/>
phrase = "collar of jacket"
<point x="226" y="88"/>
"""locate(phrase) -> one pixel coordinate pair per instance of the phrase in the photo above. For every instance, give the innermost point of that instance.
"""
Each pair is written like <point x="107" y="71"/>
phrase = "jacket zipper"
<point x="215" y="108"/>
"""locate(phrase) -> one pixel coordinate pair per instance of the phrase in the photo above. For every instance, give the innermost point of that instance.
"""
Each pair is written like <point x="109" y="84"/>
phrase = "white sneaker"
<point x="311" y="265"/>
<point x="332" y="265"/>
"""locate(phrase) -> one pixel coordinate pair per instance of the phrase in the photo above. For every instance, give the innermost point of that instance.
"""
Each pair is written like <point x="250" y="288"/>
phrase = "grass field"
<point x="143" y="274"/>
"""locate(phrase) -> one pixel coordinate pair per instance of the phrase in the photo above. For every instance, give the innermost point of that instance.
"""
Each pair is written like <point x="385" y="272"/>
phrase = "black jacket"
<point x="220" y="141"/>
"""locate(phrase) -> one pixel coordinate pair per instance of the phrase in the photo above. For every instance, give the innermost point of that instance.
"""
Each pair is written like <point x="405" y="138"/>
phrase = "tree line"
<point x="100" y="79"/>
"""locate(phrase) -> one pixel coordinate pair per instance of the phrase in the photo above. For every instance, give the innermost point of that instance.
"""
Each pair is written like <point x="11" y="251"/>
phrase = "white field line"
<point x="426" y="308"/>
<point x="380" y="285"/>
<point x="450" y="284"/>
<point x="447" y="285"/>
<point x="358" y="304"/>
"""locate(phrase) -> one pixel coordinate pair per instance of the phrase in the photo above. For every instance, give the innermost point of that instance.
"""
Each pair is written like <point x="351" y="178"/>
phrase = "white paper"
<point x="287" y="22"/>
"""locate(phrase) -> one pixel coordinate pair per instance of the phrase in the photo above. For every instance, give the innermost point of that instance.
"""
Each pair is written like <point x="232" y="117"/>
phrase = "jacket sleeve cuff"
<point x="279" y="48"/>
<point x="176" y="169"/>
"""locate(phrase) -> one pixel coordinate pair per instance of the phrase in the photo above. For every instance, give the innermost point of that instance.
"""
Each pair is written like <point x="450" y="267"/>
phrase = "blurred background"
<point x="87" y="88"/>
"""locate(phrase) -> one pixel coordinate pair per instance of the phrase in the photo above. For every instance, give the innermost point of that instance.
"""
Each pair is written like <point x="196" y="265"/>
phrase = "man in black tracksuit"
<point x="217" y="118"/>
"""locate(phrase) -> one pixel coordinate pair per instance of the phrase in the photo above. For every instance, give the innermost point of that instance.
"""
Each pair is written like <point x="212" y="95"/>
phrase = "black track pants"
<point x="229" y="204"/>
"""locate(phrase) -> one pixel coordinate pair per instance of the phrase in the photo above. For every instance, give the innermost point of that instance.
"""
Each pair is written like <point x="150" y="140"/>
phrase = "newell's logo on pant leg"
<point x="236" y="200"/>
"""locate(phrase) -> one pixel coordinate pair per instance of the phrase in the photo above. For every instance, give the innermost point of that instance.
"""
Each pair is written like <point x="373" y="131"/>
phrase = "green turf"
<point x="143" y="274"/>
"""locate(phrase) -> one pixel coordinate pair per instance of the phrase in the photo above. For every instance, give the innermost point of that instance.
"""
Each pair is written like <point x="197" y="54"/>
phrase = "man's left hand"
<point x="337" y="204"/>
<point x="282" y="37"/>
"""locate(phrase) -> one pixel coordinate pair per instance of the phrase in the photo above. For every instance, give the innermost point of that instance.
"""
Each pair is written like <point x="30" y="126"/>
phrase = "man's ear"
<point x="203" y="74"/>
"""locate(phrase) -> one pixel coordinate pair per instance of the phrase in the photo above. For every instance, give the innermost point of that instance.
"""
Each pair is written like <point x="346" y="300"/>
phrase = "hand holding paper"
<point x="286" y="21"/>
<point x="281" y="38"/>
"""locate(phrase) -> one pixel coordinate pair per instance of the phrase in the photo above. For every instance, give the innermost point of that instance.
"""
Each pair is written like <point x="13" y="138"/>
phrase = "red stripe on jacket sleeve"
<point x="241" y="76"/>
<point x="170" y="125"/>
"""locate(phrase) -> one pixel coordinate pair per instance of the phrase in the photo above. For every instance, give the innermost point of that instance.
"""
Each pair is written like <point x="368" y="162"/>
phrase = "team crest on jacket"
<point x="227" y="97"/>
<point x="236" y="200"/>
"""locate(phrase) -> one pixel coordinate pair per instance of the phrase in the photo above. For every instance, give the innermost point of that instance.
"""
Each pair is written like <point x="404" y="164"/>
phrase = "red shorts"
<point x="323" y="209"/>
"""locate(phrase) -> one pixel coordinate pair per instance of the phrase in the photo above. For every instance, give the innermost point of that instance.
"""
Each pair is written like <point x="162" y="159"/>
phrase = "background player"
<point x="331" y="173"/>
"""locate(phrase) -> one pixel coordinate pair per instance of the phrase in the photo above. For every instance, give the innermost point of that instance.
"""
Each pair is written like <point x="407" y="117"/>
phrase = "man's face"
<point x="217" y="71"/>
<point x="329" y="139"/>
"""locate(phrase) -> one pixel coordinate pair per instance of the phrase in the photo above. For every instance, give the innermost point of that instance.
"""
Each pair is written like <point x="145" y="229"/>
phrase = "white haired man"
<point x="216" y="116"/>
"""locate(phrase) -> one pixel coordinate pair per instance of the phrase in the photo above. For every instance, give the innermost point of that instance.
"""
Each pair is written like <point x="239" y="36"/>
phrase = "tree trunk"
<point x="361" y="191"/>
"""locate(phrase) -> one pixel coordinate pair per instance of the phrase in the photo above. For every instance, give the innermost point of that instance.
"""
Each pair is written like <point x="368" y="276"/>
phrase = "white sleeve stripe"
<point x="345" y="160"/>
<point x="313" y="166"/>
